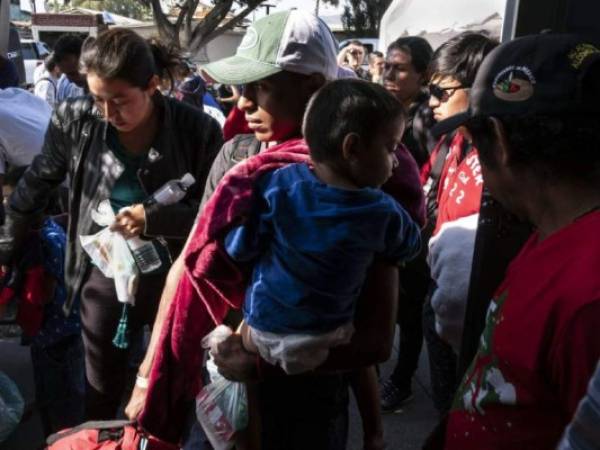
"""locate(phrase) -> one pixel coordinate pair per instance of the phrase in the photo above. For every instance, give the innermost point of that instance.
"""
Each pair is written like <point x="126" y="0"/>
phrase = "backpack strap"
<point x="49" y="80"/>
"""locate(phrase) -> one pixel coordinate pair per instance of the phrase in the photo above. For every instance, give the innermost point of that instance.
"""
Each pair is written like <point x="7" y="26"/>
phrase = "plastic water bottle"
<point x="172" y="191"/>
<point x="144" y="252"/>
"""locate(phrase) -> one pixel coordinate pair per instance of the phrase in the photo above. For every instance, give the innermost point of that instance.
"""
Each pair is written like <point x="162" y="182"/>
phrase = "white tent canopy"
<point x="439" y="20"/>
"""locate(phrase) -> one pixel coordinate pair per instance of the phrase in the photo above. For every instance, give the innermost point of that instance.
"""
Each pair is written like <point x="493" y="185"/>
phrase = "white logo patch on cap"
<point x="514" y="84"/>
<point x="250" y="39"/>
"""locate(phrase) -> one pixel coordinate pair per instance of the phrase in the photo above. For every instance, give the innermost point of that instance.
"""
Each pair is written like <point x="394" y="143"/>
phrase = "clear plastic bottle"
<point x="172" y="191"/>
<point x="144" y="252"/>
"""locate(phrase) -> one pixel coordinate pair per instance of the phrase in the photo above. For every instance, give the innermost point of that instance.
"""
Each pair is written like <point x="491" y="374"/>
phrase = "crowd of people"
<point x="337" y="194"/>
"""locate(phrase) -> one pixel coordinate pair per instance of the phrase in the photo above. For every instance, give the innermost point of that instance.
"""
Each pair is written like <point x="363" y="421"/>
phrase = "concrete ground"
<point x="405" y="430"/>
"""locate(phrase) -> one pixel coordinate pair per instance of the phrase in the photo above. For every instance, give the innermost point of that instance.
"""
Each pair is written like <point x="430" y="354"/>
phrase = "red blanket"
<point x="213" y="284"/>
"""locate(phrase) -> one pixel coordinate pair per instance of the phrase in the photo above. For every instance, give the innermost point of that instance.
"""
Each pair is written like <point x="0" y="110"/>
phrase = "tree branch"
<point x="212" y="19"/>
<point x="202" y="36"/>
<point x="160" y="18"/>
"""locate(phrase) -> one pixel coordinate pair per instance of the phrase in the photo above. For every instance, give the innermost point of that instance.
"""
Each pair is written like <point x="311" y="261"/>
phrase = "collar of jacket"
<point x="164" y="129"/>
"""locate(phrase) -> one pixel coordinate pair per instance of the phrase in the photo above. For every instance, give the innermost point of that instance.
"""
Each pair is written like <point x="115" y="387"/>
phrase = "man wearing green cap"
<point x="283" y="59"/>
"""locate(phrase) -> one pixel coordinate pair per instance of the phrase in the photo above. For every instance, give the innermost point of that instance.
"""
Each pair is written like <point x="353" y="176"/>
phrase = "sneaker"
<point x="393" y="397"/>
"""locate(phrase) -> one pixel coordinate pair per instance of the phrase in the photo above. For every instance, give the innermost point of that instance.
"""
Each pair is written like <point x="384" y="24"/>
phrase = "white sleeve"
<point x="450" y="259"/>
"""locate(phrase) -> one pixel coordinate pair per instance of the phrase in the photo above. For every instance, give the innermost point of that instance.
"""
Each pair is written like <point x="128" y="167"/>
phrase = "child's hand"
<point x="233" y="361"/>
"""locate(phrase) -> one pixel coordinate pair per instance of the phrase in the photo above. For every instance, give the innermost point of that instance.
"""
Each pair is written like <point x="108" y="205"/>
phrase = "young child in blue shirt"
<point x="315" y="230"/>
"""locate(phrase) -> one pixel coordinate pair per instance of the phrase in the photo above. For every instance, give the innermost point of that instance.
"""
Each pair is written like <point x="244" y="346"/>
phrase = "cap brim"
<point x="450" y="124"/>
<point x="239" y="70"/>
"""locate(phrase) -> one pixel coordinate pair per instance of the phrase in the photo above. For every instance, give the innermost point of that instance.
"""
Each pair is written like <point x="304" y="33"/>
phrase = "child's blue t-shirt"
<point x="312" y="245"/>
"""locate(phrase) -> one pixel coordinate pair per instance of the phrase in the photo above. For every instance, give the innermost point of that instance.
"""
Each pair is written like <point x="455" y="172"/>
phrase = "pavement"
<point x="405" y="430"/>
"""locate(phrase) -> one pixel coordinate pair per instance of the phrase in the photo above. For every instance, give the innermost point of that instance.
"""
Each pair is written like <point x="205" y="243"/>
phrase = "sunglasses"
<point x="442" y="93"/>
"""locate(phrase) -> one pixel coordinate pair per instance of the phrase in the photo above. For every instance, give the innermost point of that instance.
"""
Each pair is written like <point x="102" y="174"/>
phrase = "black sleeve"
<point x="175" y="221"/>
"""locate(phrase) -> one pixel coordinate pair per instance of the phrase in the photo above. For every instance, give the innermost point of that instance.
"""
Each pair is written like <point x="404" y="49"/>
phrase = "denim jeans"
<point x="59" y="376"/>
<point x="442" y="363"/>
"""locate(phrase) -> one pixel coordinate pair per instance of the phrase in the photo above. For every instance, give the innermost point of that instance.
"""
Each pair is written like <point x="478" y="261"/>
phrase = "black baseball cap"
<point x="540" y="74"/>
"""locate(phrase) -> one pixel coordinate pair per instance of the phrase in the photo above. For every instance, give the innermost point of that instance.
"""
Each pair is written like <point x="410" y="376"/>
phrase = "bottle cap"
<point x="187" y="180"/>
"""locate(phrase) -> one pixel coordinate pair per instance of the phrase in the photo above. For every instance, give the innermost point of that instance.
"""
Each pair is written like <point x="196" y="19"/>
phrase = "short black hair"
<point x="461" y="56"/>
<point x="355" y="42"/>
<point x="373" y="55"/>
<point x="346" y="106"/>
<point x="418" y="48"/>
<point x="67" y="45"/>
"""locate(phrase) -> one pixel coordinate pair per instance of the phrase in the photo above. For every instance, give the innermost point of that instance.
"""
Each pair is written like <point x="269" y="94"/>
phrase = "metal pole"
<point x="317" y="3"/>
<point x="4" y="19"/>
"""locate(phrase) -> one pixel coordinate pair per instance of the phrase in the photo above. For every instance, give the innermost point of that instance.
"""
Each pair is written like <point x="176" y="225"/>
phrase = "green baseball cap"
<point x="295" y="41"/>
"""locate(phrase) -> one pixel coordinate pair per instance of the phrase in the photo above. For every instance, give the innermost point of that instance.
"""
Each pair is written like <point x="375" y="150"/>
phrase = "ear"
<point x="504" y="155"/>
<point x="350" y="146"/>
<point x="153" y="85"/>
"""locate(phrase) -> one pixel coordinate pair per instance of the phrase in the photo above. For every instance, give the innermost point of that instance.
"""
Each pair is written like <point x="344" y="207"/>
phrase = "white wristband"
<point x="141" y="382"/>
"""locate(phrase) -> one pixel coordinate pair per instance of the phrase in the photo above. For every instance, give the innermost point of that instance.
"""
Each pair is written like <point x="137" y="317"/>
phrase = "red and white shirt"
<point x="461" y="183"/>
<point x="539" y="348"/>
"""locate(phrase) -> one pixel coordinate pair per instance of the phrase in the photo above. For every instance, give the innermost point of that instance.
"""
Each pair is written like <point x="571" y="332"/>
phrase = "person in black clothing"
<point x="120" y="144"/>
<point x="405" y="76"/>
<point x="9" y="77"/>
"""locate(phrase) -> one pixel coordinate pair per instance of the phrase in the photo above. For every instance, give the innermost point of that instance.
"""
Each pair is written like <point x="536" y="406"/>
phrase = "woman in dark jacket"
<point x="121" y="145"/>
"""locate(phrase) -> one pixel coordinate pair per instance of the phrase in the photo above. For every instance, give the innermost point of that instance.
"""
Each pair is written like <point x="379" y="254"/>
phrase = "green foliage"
<point x="133" y="9"/>
<point x="362" y="17"/>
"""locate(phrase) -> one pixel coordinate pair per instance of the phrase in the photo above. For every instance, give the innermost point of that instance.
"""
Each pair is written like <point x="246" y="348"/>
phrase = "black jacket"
<point x="75" y="149"/>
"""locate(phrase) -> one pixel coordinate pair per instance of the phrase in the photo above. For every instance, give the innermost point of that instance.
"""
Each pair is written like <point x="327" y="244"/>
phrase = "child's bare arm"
<point x="366" y="391"/>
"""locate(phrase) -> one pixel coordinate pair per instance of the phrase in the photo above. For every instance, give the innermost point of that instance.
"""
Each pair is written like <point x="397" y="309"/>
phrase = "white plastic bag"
<point x="11" y="406"/>
<point x="222" y="405"/>
<point x="109" y="252"/>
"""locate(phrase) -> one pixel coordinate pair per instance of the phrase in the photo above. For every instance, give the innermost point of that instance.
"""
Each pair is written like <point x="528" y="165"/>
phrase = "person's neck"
<point x="140" y="139"/>
<point x="557" y="206"/>
<point x="332" y="177"/>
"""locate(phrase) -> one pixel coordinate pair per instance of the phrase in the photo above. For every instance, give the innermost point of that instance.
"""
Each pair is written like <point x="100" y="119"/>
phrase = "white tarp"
<point x="439" y="20"/>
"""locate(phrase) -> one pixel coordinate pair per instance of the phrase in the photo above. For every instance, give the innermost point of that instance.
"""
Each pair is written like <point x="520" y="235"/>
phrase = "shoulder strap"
<point x="49" y="80"/>
<point x="436" y="172"/>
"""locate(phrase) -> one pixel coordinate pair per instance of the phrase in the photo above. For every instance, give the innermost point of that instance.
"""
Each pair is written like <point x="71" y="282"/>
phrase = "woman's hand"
<point x="136" y="402"/>
<point x="234" y="362"/>
<point x="130" y="221"/>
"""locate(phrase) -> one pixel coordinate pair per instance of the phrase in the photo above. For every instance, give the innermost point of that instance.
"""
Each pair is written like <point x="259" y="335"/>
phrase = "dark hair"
<point x="461" y="56"/>
<point x="50" y="62"/>
<point x="67" y="45"/>
<point x="123" y="54"/>
<point x="346" y="106"/>
<point x="373" y="55"/>
<point x="417" y="47"/>
<point x="355" y="42"/>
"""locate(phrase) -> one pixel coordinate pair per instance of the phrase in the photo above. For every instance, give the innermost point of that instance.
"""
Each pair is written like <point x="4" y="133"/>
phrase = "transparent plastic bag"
<point x="109" y="252"/>
<point x="222" y="405"/>
<point x="11" y="406"/>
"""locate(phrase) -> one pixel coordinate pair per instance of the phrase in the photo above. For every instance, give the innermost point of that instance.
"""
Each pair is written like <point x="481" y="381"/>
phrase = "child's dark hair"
<point x="346" y="106"/>
<point x="123" y="54"/>
<point x="461" y="56"/>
